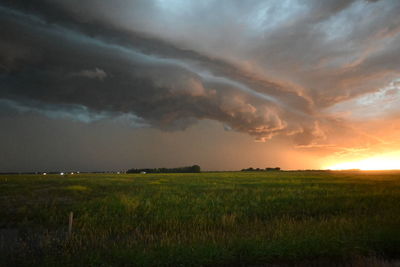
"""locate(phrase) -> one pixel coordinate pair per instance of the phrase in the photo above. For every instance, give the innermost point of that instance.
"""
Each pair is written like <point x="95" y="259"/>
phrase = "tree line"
<point x="260" y="170"/>
<point x="188" y="169"/>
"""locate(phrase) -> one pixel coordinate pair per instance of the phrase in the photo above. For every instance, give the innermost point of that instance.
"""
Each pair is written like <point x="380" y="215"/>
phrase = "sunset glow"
<point x="385" y="162"/>
<point x="225" y="84"/>
<point x="189" y="132"/>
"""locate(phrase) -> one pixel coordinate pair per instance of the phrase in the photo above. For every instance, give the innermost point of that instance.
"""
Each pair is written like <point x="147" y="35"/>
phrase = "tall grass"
<point x="208" y="219"/>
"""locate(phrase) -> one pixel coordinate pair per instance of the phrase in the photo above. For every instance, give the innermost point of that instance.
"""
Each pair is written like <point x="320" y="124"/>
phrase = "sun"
<point x="383" y="162"/>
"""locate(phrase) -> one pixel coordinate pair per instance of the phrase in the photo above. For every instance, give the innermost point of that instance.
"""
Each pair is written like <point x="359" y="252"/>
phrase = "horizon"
<point x="124" y="171"/>
<point x="227" y="85"/>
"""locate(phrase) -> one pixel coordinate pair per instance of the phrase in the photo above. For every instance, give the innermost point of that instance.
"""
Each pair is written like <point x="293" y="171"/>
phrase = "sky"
<point x="226" y="84"/>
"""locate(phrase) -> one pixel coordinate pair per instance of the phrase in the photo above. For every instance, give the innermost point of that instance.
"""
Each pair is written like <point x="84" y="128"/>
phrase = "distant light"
<point x="77" y="172"/>
<point x="72" y="172"/>
<point x="61" y="173"/>
<point x="117" y="172"/>
<point x="44" y="173"/>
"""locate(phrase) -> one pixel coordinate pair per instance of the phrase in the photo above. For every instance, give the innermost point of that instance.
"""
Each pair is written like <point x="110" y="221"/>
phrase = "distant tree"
<point x="273" y="169"/>
<point x="196" y="168"/>
<point x="189" y="169"/>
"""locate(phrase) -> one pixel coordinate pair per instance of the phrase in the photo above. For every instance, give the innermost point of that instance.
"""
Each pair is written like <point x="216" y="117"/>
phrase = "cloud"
<point x="275" y="68"/>
<point x="92" y="74"/>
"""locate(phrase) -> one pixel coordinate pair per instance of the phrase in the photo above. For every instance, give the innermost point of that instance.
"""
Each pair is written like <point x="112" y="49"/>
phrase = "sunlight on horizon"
<point x="384" y="162"/>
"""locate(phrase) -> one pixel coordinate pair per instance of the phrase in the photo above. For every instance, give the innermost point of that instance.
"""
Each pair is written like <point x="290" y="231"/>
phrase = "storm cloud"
<point x="265" y="68"/>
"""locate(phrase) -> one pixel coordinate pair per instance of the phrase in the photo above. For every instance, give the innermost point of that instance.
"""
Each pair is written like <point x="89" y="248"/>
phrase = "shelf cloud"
<point x="293" y="69"/>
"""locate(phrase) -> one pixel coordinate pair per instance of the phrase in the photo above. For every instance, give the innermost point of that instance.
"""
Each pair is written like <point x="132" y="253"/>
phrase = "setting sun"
<point x="384" y="162"/>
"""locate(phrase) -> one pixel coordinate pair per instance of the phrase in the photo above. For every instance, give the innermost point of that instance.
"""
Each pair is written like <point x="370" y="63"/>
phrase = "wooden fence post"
<point x="71" y="219"/>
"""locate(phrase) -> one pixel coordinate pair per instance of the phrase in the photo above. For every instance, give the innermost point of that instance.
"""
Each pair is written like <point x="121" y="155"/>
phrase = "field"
<point x="205" y="219"/>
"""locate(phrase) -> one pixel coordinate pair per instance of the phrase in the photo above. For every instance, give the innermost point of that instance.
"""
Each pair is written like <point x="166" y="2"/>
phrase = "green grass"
<point x="206" y="219"/>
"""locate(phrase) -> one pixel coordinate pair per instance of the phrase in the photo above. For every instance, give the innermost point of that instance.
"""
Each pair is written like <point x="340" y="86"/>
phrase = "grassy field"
<point x="206" y="219"/>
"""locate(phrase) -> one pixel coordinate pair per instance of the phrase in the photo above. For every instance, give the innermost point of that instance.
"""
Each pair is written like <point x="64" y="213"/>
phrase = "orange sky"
<point x="224" y="84"/>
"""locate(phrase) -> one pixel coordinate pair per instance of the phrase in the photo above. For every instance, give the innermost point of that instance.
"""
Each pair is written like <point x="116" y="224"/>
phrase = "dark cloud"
<point x="168" y="92"/>
<point x="265" y="69"/>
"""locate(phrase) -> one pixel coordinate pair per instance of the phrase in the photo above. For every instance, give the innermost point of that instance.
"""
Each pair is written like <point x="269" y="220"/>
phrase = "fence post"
<point x="71" y="219"/>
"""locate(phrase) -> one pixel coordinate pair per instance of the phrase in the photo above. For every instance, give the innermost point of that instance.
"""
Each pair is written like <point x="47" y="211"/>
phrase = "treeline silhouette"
<point x="189" y="169"/>
<point x="261" y="170"/>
